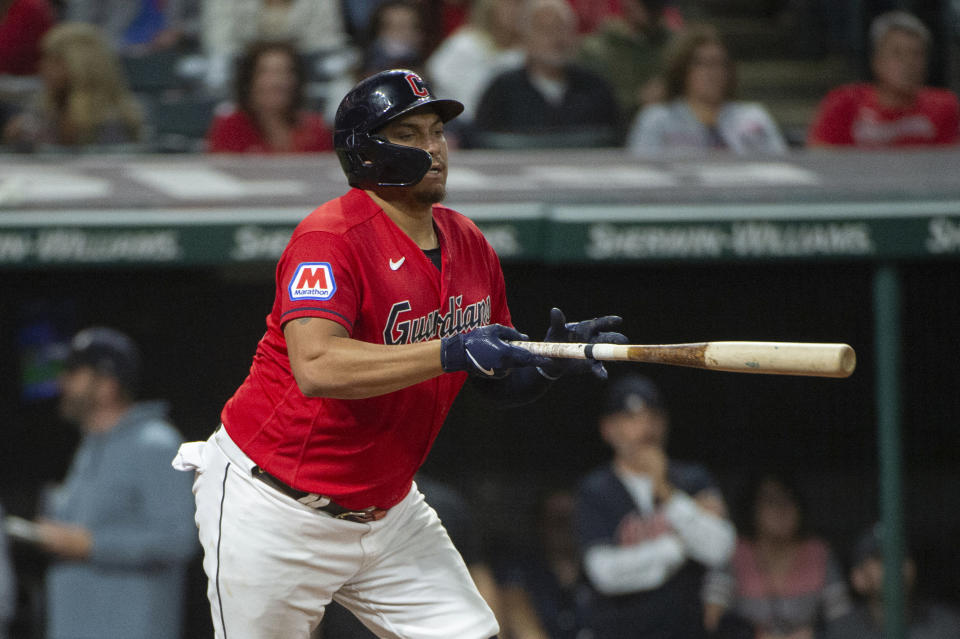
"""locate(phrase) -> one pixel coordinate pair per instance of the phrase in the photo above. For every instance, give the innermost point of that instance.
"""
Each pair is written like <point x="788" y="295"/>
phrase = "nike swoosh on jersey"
<point x="486" y="371"/>
<point x="394" y="265"/>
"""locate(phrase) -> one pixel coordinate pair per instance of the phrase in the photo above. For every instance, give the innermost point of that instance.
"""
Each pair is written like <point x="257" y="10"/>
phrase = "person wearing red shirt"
<point x="22" y="25"/>
<point x="896" y="110"/>
<point x="268" y="117"/>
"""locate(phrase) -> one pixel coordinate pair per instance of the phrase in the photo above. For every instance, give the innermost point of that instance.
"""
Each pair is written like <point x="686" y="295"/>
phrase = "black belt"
<point x="320" y="502"/>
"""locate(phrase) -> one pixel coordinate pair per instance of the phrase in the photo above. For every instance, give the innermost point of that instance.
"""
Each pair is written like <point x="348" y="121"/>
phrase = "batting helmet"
<point x="370" y="160"/>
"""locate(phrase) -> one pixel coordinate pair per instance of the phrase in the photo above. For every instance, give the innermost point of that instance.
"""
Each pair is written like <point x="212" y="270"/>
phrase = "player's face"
<point x="626" y="432"/>
<point x="900" y="62"/>
<point x="78" y="393"/>
<point x="776" y="513"/>
<point x="423" y="129"/>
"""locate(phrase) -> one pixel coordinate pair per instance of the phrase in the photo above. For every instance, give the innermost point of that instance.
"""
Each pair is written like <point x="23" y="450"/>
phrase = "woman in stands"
<point x="268" y="115"/>
<point x="84" y="100"/>
<point x="701" y="112"/>
<point x="783" y="581"/>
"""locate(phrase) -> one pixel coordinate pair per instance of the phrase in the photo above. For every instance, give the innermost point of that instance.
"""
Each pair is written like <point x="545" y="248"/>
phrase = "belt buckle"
<point x="362" y="516"/>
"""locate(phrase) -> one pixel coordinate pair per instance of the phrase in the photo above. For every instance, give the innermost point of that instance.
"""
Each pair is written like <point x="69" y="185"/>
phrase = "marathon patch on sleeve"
<point x="312" y="281"/>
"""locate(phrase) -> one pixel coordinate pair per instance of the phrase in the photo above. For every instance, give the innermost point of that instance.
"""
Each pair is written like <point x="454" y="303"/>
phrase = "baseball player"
<point x="385" y="304"/>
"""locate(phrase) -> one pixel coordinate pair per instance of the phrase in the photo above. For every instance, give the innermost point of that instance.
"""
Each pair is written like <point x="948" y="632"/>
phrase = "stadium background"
<point x="810" y="274"/>
<point x="199" y="318"/>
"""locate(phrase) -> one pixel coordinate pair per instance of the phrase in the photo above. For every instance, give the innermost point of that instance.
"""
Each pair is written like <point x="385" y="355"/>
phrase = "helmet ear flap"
<point x="370" y="161"/>
<point x="359" y="145"/>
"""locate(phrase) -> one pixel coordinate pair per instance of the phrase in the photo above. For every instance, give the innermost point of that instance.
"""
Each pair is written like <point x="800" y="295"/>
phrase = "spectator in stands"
<point x="549" y="94"/>
<point x="84" y="100"/>
<point x="228" y="27"/>
<point x="923" y="619"/>
<point x="120" y="529"/>
<point x="22" y="25"/>
<point x="542" y="588"/>
<point x="627" y="52"/>
<point x="396" y="39"/>
<point x="784" y="582"/>
<point x="356" y="16"/>
<point x="464" y="63"/>
<point x="701" y="112"/>
<point x="592" y="13"/>
<point x="268" y="116"/>
<point x="137" y="26"/>
<point x="7" y="113"/>
<point x="452" y="14"/>
<point x="648" y="526"/>
<point x="896" y="109"/>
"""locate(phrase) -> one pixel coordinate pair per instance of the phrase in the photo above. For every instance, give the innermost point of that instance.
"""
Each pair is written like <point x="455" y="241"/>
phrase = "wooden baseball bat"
<point x="767" y="358"/>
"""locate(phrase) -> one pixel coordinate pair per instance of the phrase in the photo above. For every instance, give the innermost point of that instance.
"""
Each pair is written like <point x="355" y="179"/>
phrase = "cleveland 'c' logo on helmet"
<point x="417" y="85"/>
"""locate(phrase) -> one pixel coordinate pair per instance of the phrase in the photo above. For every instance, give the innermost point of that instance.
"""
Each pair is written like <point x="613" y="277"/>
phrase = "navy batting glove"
<point x="591" y="331"/>
<point x="484" y="352"/>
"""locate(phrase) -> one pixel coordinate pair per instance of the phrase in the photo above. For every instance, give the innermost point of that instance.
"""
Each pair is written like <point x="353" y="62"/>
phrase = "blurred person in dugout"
<point x="923" y="619"/>
<point x="627" y="50"/>
<point x="227" y="27"/>
<point x="22" y="25"/>
<point x="541" y="584"/>
<point x="648" y="526"/>
<point x="783" y="581"/>
<point x="268" y="115"/>
<point x="464" y="63"/>
<point x="136" y="27"/>
<point x="549" y="94"/>
<point x="701" y="112"/>
<point x="119" y="531"/>
<point x="84" y="100"/>
<point x="8" y="584"/>
<point x="896" y="109"/>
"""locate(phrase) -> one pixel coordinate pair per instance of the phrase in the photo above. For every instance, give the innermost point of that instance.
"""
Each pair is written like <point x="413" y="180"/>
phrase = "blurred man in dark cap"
<point x="924" y="620"/>
<point x="648" y="526"/>
<point x="120" y="529"/>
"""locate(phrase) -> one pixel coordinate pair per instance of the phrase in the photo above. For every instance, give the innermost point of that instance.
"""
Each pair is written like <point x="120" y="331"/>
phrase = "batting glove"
<point x="591" y="331"/>
<point x="484" y="352"/>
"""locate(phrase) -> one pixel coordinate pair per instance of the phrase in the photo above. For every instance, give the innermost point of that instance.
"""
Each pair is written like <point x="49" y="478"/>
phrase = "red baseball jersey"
<point x="349" y="263"/>
<point x="852" y="115"/>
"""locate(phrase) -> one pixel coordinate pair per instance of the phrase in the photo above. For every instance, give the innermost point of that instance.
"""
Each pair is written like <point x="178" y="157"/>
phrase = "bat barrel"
<point x="770" y="358"/>
<point x="781" y="358"/>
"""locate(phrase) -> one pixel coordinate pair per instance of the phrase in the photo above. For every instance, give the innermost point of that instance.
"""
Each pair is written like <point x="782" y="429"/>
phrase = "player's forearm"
<point x="351" y="369"/>
<point x="708" y="538"/>
<point x="617" y="570"/>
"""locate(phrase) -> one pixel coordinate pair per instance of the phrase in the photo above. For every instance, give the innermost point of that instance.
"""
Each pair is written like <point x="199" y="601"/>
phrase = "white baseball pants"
<point x="273" y="564"/>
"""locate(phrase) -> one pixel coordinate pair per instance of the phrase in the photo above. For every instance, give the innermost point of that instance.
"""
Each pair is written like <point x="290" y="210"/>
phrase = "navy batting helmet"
<point x="368" y="159"/>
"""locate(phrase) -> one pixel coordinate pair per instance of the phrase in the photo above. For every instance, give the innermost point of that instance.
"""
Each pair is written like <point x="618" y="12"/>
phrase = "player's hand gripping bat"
<point x="768" y="358"/>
